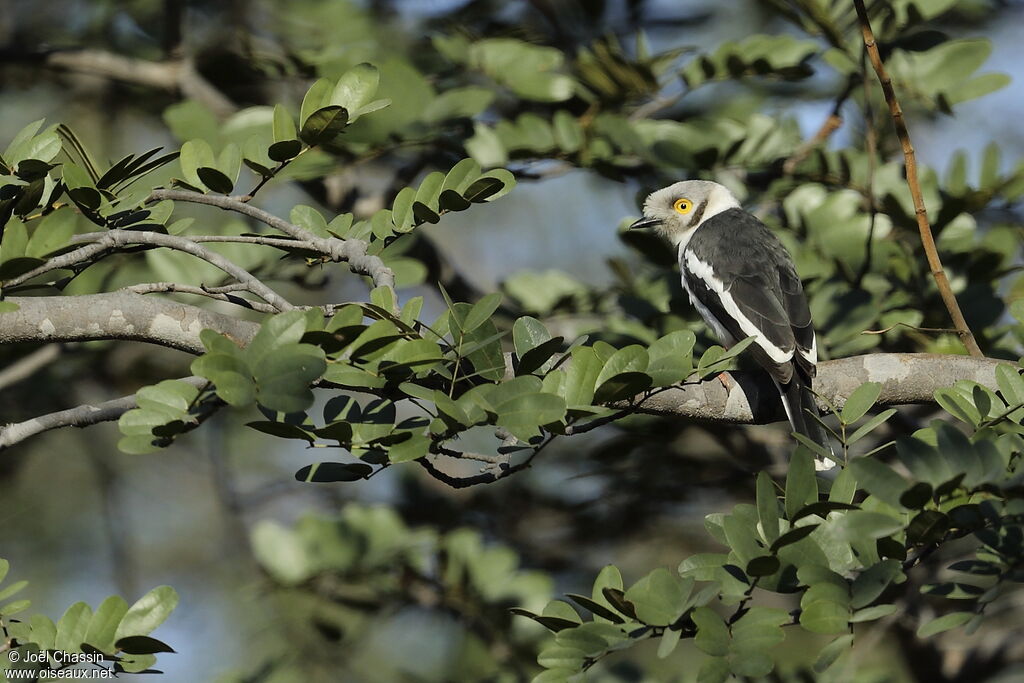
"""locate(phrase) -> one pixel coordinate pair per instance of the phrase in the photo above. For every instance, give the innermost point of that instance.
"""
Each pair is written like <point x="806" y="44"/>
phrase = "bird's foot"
<point x="726" y="380"/>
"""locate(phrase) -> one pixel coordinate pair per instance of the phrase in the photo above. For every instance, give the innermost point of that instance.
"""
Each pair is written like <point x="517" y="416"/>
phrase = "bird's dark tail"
<point x="799" y="402"/>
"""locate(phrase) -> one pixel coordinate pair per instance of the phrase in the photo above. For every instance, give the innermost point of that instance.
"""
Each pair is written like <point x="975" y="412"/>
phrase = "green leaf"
<point x="860" y="401"/>
<point x="608" y="577"/>
<point x="958" y="405"/>
<point x="871" y="582"/>
<point x="12" y="589"/>
<point x="623" y="374"/>
<point x="581" y="639"/>
<point x="703" y="566"/>
<point x="928" y="526"/>
<point x="944" y="623"/>
<point x="801" y="483"/>
<point x="81" y="187"/>
<point x="324" y="472"/>
<point x="581" y="376"/>
<point x="824" y="616"/>
<point x="713" y="670"/>
<point x="316" y="98"/>
<point x="558" y="657"/>
<point x="277" y="331"/>
<point x="767" y="508"/>
<point x="492" y="185"/>
<point x="355" y="88"/>
<point x="284" y="150"/>
<point x="283" y="379"/>
<point x="766" y="565"/>
<point x="148" y="612"/>
<point x="870" y="426"/>
<point x="596" y="607"/>
<point x="104" y="623"/>
<point x="196" y="154"/>
<point x="142" y="645"/>
<point x="759" y="630"/>
<point x="215" y="180"/>
<point x="230" y="375"/>
<point x="540" y="358"/>
<point x="286" y="430"/>
<point x="879" y="480"/>
<point x="792" y="536"/>
<point x="481" y="312"/>
<point x="1011" y="385"/>
<point x="283" y="126"/>
<point x="660" y="597"/>
<point x="323" y="125"/>
<point x="669" y="641"/>
<point x="562" y="610"/>
<point x="712" y="634"/>
<point x="528" y="333"/>
<point x="44" y="631"/>
<point x="72" y="628"/>
<point x="872" y="613"/>
<point x="15" y="607"/>
<point x="523" y="415"/>
<point x="831" y="652"/>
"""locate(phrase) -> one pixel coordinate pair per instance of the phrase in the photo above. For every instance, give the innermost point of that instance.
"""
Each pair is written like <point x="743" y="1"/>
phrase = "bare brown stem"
<point x="927" y="240"/>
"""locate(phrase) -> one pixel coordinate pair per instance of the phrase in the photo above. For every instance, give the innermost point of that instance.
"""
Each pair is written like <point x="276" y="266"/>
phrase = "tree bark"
<point x="117" y="315"/>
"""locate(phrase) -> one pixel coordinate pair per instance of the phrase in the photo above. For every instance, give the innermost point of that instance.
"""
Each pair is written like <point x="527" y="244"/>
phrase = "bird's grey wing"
<point x="746" y="304"/>
<point x="799" y="313"/>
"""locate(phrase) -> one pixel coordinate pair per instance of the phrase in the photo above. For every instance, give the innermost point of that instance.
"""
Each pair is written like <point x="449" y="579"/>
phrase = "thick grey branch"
<point x="117" y="315"/>
<point x="751" y="398"/>
<point x="80" y="416"/>
<point x="351" y="251"/>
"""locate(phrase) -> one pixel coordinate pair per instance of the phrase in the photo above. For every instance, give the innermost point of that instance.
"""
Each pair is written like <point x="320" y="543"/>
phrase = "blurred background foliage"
<point x="589" y="104"/>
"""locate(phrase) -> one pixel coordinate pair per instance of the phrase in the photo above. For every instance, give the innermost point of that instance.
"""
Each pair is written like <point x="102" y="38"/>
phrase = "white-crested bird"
<point x="743" y="283"/>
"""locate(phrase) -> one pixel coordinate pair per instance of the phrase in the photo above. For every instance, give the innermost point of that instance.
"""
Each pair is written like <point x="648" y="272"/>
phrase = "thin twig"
<point x="26" y="366"/>
<point x="927" y="240"/>
<point x="113" y="239"/>
<point x="81" y="416"/>
<point x="829" y="126"/>
<point x="352" y="251"/>
<point x="936" y="330"/>
<point x="120" y="238"/>
<point x="175" y="75"/>
<point x="175" y="288"/>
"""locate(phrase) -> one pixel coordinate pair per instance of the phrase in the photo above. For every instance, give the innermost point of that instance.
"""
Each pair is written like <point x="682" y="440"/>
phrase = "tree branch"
<point x="175" y="76"/>
<point x="113" y="239"/>
<point x="829" y="126"/>
<point x="81" y="416"/>
<point x="751" y="397"/>
<point x="351" y="251"/>
<point x="173" y="287"/>
<point x="26" y="366"/>
<point x="117" y="315"/>
<point x="910" y="161"/>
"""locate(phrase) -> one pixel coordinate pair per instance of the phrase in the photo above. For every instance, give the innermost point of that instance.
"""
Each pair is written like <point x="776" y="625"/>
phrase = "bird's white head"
<point x="679" y="208"/>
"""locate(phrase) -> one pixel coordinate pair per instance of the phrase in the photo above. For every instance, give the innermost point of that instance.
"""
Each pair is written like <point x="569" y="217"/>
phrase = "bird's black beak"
<point x="645" y="223"/>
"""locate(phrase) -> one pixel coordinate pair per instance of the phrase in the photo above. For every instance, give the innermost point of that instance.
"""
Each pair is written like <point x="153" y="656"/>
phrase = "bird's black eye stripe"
<point x="698" y="213"/>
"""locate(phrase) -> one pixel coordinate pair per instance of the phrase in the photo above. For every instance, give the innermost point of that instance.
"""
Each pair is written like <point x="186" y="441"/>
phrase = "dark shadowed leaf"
<point x="333" y="471"/>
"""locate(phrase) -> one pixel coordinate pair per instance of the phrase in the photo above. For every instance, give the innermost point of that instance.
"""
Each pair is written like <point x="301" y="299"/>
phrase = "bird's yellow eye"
<point x="683" y="205"/>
